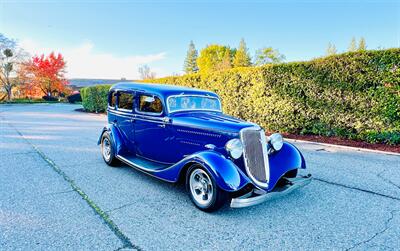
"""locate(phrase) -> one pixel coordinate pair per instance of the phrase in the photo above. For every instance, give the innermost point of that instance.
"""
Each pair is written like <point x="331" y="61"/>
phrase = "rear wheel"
<point x="203" y="191"/>
<point x="108" y="151"/>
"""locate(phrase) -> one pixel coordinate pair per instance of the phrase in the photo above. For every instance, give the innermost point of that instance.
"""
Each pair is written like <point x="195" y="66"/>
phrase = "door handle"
<point x="161" y="125"/>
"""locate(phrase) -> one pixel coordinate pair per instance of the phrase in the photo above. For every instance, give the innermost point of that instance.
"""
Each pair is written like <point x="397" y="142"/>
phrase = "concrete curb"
<point x="343" y="147"/>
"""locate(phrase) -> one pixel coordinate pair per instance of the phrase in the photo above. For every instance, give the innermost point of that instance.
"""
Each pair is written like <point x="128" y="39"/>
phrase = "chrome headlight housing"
<point x="235" y="148"/>
<point x="276" y="141"/>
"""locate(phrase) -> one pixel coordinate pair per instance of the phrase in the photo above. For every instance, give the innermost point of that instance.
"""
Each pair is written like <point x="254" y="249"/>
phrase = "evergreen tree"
<point x="353" y="45"/>
<point x="242" y="56"/>
<point x="331" y="49"/>
<point x="362" y="46"/>
<point x="190" y="65"/>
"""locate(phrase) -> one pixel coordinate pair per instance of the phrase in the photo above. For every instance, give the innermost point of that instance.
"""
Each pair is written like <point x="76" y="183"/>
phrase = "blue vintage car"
<point x="181" y="134"/>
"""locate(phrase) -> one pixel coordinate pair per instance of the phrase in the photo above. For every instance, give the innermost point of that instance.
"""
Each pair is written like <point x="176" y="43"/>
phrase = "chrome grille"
<point x="255" y="155"/>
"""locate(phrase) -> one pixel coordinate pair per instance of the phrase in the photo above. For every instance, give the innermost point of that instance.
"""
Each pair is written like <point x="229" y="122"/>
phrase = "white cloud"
<point x="83" y="62"/>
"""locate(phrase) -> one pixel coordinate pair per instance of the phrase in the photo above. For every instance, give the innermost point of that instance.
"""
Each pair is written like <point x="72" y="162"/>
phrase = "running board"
<point x="142" y="164"/>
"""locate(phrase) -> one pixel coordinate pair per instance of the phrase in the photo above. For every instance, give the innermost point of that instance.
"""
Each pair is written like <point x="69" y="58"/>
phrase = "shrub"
<point x="94" y="98"/>
<point x="50" y="98"/>
<point x="74" y="98"/>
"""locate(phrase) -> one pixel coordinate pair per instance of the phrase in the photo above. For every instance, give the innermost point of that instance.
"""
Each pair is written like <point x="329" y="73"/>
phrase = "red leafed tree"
<point x="45" y="74"/>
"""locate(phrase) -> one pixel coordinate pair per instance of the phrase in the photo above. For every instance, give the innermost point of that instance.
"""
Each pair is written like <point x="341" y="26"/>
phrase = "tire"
<point x="291" y="173"/>
<point x="107" y="150"/>
<point x="203" y="190"/>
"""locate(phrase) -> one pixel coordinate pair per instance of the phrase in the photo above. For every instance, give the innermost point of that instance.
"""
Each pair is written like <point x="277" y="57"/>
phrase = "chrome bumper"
<point x="259" y="196"/>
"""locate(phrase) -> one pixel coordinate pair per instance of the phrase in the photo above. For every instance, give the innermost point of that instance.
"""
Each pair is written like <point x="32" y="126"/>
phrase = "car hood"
<point x="214" y="121"/>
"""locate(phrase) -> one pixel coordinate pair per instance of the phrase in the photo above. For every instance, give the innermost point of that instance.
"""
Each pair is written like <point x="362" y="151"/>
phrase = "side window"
<point x="112" y="99"/>
<point x="148" y="103"/>
<point x="125" y="101"/>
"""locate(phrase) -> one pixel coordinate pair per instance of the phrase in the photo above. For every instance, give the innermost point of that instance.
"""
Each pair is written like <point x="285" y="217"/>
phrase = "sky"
<point x="112" y="39"/>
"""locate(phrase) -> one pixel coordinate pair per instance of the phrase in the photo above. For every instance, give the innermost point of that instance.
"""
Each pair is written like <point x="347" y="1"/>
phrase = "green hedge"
<point x="353" y="95"/>
<point x="94" y="98"/>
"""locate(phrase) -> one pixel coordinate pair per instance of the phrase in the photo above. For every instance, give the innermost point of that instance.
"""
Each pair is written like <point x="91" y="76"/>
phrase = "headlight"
<point x="276" y="141"/>
<point x="235" y="148"/>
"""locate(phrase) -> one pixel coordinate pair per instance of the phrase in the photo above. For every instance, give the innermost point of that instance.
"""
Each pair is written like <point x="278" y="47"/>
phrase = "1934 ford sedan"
<point x="180" y="134"/>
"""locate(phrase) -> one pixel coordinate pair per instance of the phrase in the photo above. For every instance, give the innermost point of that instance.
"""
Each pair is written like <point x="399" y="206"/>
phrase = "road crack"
<point x="387" y="180"/>
<point x="61" y="192"/>
<point x="358" y="189"/>
<point x="118" y="208"/>
<point x="98" y="211"/>
<point x="377" y="233"/>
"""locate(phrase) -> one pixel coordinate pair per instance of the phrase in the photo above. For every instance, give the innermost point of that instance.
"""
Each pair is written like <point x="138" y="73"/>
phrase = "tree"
<point x="331" y="49"/>
<point x="353" y="44"/>
<point x="242" y="56"/>
<point x="10" y="58"/>
<point x="45" y="74"/>
<point x="190" y="65"/>
<point x="146" y="73"/>
<point x="268" y="55"/>
<point x="214" y="58"/>
<point x="362" y="46"/>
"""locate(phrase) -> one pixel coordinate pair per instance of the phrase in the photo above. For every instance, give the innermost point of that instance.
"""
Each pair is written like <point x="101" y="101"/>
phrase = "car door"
<point x="152" y="129"/>
<point x="124" y="119"/>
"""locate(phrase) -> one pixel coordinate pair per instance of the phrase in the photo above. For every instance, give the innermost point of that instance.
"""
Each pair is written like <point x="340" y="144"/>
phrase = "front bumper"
<point x="259" y="196"/>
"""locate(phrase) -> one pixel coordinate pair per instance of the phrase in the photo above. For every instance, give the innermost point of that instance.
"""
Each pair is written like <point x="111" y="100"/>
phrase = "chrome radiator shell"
<point x="255" y="155"/>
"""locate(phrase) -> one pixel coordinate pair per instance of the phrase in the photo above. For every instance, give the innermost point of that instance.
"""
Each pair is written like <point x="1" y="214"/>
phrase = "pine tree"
<point x="242" y="56"/>
<point x="331" y="49"/>
<point x="353" y="45"/>
<point x="362" y="46"/>
<point x="190" y="65"/>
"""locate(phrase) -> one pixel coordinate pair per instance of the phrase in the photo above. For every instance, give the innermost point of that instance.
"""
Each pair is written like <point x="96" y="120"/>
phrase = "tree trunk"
<point x="9" y="93"/>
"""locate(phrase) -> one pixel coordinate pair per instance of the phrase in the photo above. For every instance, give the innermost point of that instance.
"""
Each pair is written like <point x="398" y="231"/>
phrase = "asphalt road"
<point x="57" y="193"/>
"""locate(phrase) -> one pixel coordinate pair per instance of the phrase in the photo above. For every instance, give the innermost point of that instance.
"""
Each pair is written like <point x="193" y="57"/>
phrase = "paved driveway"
<point x="57" y="193"/>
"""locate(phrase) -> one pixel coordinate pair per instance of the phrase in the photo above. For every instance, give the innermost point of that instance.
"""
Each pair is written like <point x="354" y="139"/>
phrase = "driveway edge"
<point x="343" y="147"/>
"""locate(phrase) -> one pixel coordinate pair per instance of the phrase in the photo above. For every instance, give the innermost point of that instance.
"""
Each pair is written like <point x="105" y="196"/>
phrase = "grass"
<point x="27" y="101"/>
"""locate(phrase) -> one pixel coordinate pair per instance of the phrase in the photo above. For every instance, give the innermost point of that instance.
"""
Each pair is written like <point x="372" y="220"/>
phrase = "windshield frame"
<point x="194" y="95"/>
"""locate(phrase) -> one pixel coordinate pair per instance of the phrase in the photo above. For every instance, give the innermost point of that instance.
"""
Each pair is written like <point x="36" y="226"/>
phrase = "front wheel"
<point x="203" y="191"/>
<point x="108" y="151"/>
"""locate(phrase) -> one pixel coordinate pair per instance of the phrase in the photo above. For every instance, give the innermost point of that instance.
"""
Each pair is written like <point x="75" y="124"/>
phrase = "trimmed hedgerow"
<point x="355" y="95"/>
<point x="94" y="98"/>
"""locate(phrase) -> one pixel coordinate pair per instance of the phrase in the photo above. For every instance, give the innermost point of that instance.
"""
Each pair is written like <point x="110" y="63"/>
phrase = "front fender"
<point x="286" y="159"/>
<point x="227" y="175"/>
<point x="115" y="137"/>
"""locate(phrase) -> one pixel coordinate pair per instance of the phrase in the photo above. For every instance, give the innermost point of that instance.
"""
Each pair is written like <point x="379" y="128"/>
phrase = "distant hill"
<point x="84" y="82"/>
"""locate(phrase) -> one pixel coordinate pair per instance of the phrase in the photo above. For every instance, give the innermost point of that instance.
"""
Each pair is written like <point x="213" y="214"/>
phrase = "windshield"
<point x="188" y="102"/>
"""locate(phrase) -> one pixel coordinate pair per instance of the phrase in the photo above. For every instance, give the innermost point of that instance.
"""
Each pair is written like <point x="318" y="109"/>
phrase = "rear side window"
<point x="149" y="103"/>
<point x="113" y="99"/>
<point x="125" y="101"/>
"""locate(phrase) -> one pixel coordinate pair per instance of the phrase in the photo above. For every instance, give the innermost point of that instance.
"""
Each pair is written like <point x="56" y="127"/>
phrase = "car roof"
<point x="163" y="90"/>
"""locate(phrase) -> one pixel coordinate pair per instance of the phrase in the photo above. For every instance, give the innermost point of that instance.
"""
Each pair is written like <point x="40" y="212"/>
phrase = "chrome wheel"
<point x="201" y="187"/>
<point x="106" y="149"/>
